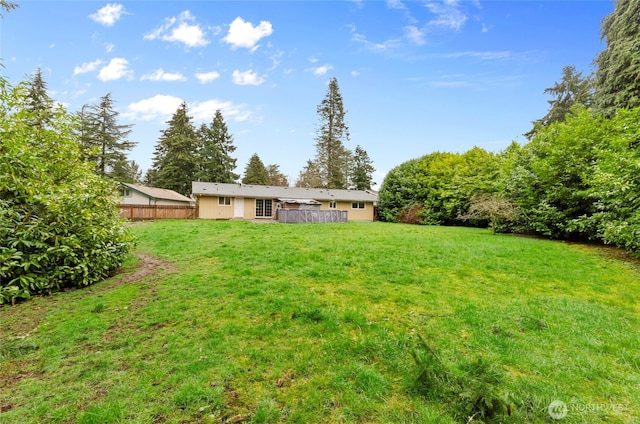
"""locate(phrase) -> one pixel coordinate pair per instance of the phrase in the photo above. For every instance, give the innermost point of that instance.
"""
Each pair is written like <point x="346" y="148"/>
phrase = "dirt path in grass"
<point x="147" y="265"/>
<point x="26" y="316"/>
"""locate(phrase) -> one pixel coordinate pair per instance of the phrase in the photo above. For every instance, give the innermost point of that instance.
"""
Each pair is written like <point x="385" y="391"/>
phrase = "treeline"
<point x="185" y="153"/>
<point x="578" y="177"/>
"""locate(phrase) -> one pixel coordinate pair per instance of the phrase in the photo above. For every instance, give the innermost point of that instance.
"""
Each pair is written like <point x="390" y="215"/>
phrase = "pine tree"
<point x="618" y="74"/>
<point x="362" y="173"/>
<point x="38" y="101"/>
<point x="175" y="162"/>
<point x="309" y="177"/>
<point x="276" y="177"/>
<point x="331" y="154"/>
<point x="104" y="140"/>
<point x="216" y="163"/>
<point x="573" y="89"/>
<point x="255" y="172"/>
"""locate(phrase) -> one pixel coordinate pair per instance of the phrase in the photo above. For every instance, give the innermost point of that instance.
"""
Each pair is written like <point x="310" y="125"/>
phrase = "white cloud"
<point x="87" y="67"/>
<point x="109" y="47"/>
<point x="395" y="4"/>
<point x="247" y="78"/>
<point x="355" y="73"/>
<point x="204" y="111"/>
<point x="321" y="70"/>
<point x="205" y="77"/>
<point x="244" y="34"/>
<point x="159" y="106"/>
<point x="116" y="69"/>
<point x="448" y="14"/>
<point x="498" y="55"/>
<point x="385" y="46"/>
<point x="109" y="14"/>
<point x="415" y="35"/>
<point x="161" y="75"/>
<point x="275" y="59"/>
<point x="313" y="59"/>
<point x="179" y="30"/>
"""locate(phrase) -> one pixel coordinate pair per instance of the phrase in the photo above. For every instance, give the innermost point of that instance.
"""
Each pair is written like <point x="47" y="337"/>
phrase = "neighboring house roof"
<point x="275" y="192"/>
<point x="158" y="193"/>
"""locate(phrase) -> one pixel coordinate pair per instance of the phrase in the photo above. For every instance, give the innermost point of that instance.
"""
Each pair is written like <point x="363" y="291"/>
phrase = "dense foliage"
<point x="576" y="179"/>
<point x="617" y="82"/>
<point x="59" y="225"/>
<point x="438" y="187"/>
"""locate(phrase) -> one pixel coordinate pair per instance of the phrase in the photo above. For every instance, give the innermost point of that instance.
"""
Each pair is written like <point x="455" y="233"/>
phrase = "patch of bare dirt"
<point x="147" y="265"/>
<point x="26" y="316"/>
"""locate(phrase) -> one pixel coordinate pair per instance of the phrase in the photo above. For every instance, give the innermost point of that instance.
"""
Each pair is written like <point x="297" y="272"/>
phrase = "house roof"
<point x="275" y="192"/>
<point x="158" y="193"/>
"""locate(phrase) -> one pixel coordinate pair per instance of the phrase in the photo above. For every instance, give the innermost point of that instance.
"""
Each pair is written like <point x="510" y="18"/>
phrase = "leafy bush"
<point x="59" y="224"/>
<point x="437" y="188"/>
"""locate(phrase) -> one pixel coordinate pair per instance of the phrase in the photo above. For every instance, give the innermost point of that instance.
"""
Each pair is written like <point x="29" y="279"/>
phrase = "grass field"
<point x="323" y="323"/>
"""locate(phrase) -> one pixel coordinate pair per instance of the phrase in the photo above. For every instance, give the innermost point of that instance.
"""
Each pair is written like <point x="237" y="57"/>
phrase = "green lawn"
<point x="322" y="323"/>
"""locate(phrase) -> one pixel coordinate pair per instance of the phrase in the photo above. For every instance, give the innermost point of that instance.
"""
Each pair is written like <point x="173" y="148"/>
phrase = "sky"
<point x="416" y="77"/>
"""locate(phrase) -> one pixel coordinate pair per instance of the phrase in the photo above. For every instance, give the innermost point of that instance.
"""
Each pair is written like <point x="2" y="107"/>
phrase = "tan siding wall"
<point x="210" y="209"/>
<point x="249" y="208"/>
<point x="365" y="214"/>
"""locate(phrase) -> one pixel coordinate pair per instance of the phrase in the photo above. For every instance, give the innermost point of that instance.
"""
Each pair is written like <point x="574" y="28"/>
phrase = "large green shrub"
<point x="59" y="225"/>
<point x="437" y="188"/>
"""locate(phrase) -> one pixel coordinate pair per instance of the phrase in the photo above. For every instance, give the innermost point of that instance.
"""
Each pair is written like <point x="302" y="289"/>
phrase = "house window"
<point x="332" y="204"/>
<point x="126" y="192"/>
<point x="224" y="201"/>
<point x="357" y="205"/>
<point x="264" y="208"/>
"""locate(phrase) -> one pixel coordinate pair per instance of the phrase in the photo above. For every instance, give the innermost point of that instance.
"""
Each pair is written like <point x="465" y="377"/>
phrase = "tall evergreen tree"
<point x="362" y="171"/>
<point x="103" y="139"/>
<point x="618" y="75"/>
<point x="38" y="101"/>
<point x="331" y="154"/>
<point x="276" y="177"/>
<point x="572" y="89"/>
<point x="309" y="176"/>
<point x="255" y="172"/>
<point x="216" y="163"/>
<point x="175" y="159"/>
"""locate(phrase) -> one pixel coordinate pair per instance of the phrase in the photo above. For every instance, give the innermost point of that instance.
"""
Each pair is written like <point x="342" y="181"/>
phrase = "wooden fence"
<point x="296" y="216"/>
<point x="141" y="212"/>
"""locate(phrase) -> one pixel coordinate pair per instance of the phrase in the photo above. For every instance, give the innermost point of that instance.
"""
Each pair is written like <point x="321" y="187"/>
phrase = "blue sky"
<point x="415" y="76"/>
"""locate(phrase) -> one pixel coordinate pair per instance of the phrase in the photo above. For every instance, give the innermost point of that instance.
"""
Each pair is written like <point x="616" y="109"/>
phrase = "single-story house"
<point x="136" y="194"/>
<point x="242" y="201"/>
